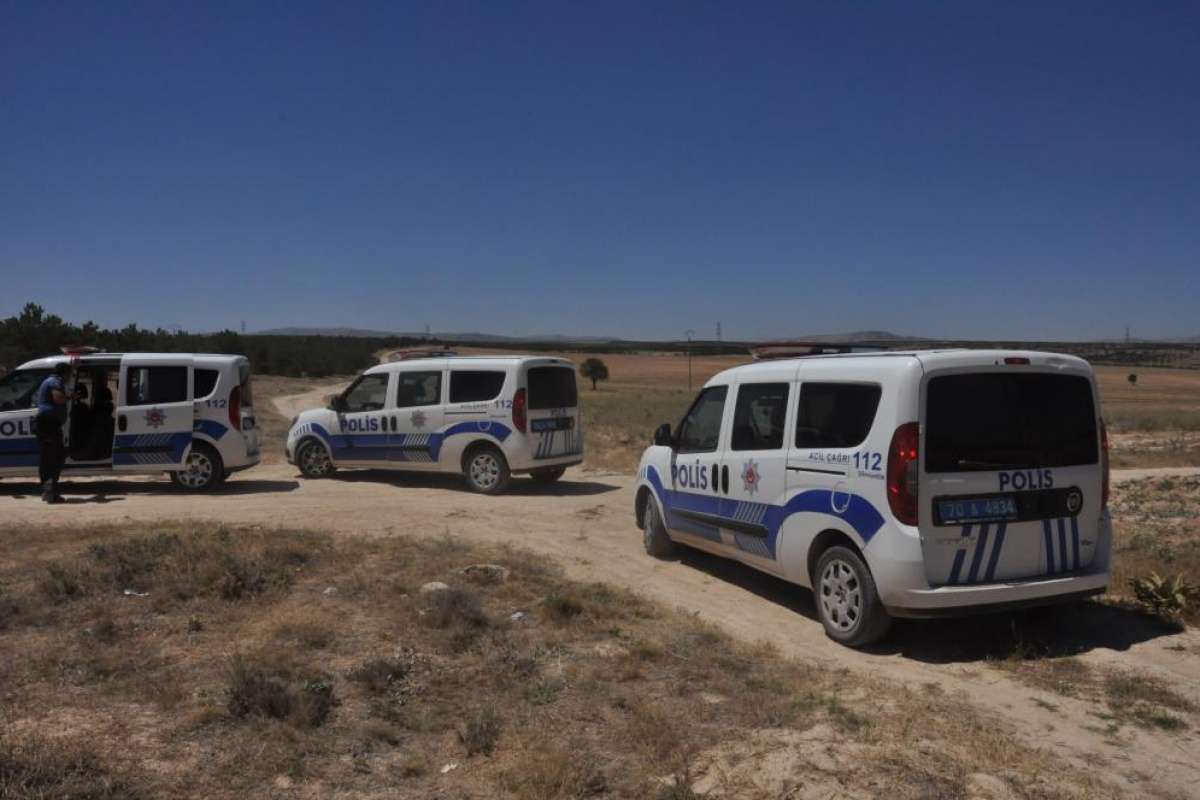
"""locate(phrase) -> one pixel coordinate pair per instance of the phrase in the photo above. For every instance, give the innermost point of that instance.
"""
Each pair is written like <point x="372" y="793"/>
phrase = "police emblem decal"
<point x="750" y="476"/>
<point x="417" y="419"/>
<point x="155" y="418"/>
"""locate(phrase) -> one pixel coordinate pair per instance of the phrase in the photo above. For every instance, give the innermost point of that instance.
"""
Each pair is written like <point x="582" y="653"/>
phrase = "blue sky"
<point x="943" y="169"/>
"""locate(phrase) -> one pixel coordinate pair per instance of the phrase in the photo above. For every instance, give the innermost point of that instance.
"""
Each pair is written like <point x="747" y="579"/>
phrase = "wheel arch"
<point x="830" y="537"/>
<point x="312" y="437"/>
<point x="475" y="444"/>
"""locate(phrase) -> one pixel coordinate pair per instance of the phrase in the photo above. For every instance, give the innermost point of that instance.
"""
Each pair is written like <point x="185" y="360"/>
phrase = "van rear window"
<point x="987" y="421"/>
<point x="203" y="382"/>
<point x="552" y="387"/>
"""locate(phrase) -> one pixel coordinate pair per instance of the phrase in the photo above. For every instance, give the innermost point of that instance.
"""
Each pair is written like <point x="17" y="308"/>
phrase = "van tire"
<point x="654" y="533"/>
<point x="549" y="475"/>
<point x="202" y="471"/>
<point x="313" y="460"/>
<point x="846" y="599"/>
<point x="485" y="469"/>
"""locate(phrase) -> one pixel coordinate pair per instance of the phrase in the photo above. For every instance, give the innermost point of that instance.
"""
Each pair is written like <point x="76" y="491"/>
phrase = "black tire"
<point x="203" y="470"/>
<point x="548" y="475"/>
<point x="313" y="460"/>
<point x="485" y="469"/>
<point x="654" y="533"/>
<point x="847" y="600"/>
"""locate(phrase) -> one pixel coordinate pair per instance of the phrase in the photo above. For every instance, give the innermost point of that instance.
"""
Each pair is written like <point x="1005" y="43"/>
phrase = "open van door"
<point x="154" y="413"/>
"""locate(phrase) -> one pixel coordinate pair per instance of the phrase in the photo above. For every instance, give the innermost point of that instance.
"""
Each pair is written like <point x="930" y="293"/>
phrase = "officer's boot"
<point x="50" y="492"/>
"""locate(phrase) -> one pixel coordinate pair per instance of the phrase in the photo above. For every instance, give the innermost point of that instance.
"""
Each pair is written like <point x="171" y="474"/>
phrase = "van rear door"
<point x="1011" y="481"/>
<point x="552" y="401"/>
<point x="154" y="413"/>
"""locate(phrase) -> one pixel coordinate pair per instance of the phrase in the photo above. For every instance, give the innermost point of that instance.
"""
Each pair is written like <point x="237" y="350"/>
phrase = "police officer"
<point x="51" y="402"/>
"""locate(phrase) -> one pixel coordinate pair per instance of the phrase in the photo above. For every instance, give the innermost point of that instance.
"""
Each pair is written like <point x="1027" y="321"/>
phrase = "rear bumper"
<point x="949" y="601"/>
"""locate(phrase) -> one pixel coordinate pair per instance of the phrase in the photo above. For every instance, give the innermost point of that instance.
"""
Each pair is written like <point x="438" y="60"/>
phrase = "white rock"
<point x="434" y="586"/>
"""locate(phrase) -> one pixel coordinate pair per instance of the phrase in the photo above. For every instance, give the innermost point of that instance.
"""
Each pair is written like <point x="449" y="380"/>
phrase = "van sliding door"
<point x="155" y="414"/>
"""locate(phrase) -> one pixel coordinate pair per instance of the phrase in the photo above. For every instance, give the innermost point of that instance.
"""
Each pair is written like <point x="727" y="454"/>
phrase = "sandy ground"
<point x="586" y="522"/>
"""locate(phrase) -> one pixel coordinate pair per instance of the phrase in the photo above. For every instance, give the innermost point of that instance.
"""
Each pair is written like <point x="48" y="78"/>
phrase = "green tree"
<point x="594" y="370"/>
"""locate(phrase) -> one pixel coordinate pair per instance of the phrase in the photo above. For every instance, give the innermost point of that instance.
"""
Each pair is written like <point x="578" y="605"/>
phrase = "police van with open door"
<point x="189" y="415"/>
<point x="486" y="417"/>
<point x="893" y="484"/>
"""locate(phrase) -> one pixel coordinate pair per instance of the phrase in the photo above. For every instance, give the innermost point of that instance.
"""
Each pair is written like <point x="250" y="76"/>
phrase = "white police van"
<point x="189" y="415"/>
<point x="893" y="484"/>
<point x="484" y="416"/>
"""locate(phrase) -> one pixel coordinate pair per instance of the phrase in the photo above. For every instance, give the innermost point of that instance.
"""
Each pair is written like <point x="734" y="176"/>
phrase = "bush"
<point x="255" y="691"/>
<point x="481" y="732"/>
<point x="1167" y="598"/>
<point x="455" y="608"/>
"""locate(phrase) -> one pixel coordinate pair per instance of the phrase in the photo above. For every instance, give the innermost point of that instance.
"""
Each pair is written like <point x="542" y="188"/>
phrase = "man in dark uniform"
<point x="51" y="402"/>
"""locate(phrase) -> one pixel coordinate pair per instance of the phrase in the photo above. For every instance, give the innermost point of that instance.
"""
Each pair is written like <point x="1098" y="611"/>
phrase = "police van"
<point x="189" y="415"/>
<point x="487" y="417"/>
<point x="912" y="484"/>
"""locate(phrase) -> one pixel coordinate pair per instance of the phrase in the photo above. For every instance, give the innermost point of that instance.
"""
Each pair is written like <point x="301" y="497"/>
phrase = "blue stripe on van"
<point x="1048" y="546"/>
<point x="858" y="513"/>
<point x="990" y="575"/>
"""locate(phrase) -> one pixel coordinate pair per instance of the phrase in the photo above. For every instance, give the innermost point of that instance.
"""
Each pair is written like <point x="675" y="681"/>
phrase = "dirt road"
<point x="586" y="523"/>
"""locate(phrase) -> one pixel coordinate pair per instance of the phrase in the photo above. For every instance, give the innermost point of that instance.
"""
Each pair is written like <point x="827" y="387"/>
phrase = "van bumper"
<point x="988" y="598"/>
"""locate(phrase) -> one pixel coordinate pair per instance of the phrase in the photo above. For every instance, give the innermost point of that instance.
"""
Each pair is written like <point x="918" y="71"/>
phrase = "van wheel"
<point x="314" y="461"/>
<point x="548" y="475"/>
<point x="654" y="533"/>
<point x="847" y="601"/>
<point x="202" y="470"/>
<point x="485" y="469"/>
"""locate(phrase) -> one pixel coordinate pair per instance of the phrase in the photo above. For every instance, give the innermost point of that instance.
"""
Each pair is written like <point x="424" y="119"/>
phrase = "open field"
<point x="239" y="673"/>
<point x="197" y="660"/>
<point x="585" y="525"/>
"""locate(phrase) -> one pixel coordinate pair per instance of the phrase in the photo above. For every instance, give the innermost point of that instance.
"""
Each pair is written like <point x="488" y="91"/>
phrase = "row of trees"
<point x="33" y="333"/>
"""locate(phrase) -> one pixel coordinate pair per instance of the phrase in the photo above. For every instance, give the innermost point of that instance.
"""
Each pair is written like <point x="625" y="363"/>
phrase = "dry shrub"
<point x="258" y="690"/>
<point x="480" y="732"/>
<point x="455" y="608"/>
<point x="544" y="771"/>
<point x="379" y="674"/>
<point x="40" y="769"/>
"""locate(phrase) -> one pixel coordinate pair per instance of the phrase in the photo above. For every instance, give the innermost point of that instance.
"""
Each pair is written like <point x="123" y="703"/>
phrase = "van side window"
<point x="836" y="414"/>
<point x="147" y="386"/>
<point x="369" y="393"/>
<point x="418" y="389"/>
<point x="472" y="386"/>
<point x="204" y="381"/>
<point x="759" y="415"/>
<point x="701" y="427"/>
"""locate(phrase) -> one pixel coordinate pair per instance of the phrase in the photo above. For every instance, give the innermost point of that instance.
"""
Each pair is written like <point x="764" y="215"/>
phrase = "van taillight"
<point x="519" y="410"/>
<point x="902" y="473"/>
<point x="235" y="408"/>
<point x="1107" y="479"/>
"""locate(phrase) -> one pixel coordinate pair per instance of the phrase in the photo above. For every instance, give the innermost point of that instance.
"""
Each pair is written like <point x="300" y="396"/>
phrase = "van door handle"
<point x="122" y="423"/>
<point x="725" y="479"/>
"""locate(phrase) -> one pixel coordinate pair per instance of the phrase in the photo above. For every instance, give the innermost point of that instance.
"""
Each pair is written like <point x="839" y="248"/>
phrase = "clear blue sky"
<point x="943" y="169"/>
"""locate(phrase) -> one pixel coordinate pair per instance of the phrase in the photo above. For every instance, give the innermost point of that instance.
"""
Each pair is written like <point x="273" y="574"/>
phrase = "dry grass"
<point x="1129" y="698"/>
<point x="246" y="661"/>
<point x="1156" y="525"/>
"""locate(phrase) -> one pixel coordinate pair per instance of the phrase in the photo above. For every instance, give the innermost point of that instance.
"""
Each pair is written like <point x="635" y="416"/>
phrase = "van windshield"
<point x="989" y="421"/>
<point x="552" y="387"/>
<point x="17" y="388"/>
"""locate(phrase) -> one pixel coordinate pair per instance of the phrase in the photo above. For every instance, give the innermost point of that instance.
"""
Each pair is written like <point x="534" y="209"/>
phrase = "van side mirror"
<point x="663" y="437"/>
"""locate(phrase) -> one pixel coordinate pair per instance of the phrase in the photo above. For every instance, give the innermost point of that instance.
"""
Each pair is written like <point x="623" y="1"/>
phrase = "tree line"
<point x="34" y="333"/>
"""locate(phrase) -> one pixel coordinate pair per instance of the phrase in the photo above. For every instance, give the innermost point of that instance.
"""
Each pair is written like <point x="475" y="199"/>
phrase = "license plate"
<point x="552" y="424"/>
<point x="996" y="508"/>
